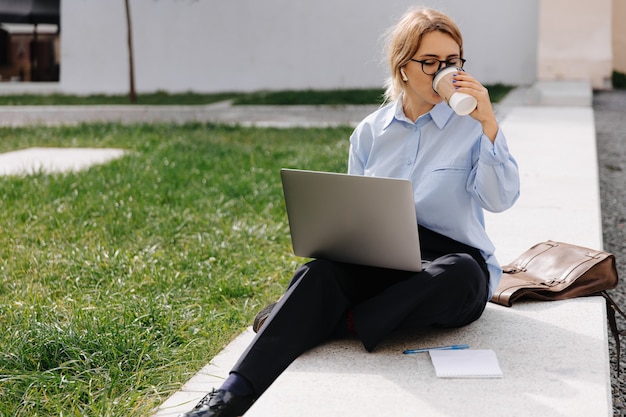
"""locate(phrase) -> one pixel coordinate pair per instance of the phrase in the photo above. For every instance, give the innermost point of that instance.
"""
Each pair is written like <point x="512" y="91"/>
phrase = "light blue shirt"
<point x="455" y="170"/>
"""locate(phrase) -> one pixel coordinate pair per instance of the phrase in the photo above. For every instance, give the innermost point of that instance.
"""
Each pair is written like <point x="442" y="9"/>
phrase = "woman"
<point x="458" y="165"/>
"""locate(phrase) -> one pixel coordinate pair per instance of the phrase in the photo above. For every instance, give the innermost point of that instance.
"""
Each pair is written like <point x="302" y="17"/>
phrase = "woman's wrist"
<point x="490" y="129"/>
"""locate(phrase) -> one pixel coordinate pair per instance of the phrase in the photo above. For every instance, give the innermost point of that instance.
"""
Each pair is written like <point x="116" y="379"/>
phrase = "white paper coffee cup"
<point x="462" y="104"/>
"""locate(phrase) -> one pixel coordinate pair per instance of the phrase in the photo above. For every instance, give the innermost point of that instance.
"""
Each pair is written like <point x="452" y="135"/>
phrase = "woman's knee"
<point x="317" y="269"/>
<point x="471" y="287"/>
<point x="460" y="265"/>
<point x="463" y="274"/>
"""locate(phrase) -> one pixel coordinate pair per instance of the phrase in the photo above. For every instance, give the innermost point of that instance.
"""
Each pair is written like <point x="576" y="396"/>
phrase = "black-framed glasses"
<point x="430" y="66"/>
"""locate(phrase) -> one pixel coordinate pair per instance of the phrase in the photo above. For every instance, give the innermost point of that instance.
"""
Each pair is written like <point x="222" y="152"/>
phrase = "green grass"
<point x="119" y="283"/>
<point x="158" y="98"/>
<point x="289" y="97"/>
<point x="312" y="97"/>
<point x="619" y="80"/>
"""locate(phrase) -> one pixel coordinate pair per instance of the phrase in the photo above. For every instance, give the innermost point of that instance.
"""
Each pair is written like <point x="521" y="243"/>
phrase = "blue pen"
<point x="451" y="347"/>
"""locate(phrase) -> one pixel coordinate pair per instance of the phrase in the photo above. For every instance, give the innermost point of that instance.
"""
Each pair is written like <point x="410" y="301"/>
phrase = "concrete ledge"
<point x="564" y="94"/>
<point x="555" y="148"/>
<point x="553" y="355"/>
<point x="561" y="93"/>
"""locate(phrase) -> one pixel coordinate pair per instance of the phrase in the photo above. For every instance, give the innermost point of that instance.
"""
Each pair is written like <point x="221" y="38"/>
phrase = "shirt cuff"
<point x="494" y="153"/>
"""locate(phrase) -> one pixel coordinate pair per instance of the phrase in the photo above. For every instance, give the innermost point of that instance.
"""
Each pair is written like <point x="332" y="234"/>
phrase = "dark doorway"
<point x="30" y="40"/>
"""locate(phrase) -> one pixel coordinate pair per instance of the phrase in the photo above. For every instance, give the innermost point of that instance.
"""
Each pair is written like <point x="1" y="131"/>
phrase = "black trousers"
<point x="451" y="291"/>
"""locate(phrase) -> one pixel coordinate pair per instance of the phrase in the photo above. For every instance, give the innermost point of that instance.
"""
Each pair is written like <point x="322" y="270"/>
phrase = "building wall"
<point x="575" y="41"/>
<point x="246" y="45"/>
<point x="619" y="36"/>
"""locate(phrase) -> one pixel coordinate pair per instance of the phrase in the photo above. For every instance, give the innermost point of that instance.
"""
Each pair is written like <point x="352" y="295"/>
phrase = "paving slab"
<point x="222" y="112"/>
<point x="49" y="160"/>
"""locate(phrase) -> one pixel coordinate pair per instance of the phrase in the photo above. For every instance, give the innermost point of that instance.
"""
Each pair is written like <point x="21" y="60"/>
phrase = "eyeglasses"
<point x="431" y="66"/>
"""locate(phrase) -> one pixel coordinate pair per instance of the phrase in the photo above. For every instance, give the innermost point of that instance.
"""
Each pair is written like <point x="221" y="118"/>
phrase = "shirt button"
<point x="409" y="162"/>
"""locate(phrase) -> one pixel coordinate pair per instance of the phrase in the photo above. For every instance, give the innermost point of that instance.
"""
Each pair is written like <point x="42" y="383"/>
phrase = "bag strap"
<point x="520" y="264"/>
<point x="588" y="257"/>
<point x="611" y="309"/>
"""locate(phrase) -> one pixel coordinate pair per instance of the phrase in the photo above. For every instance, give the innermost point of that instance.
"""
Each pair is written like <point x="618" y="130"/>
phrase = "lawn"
<point x="117" y="284"/>
<point x="287" y="97"/>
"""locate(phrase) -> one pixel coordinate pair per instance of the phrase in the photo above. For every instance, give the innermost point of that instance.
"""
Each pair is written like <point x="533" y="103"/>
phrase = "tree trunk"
<point x="132" y="95"/>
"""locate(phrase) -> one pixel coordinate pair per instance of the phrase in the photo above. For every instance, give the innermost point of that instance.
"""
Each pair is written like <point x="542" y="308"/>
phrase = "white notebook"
<point x="470" y="363"/>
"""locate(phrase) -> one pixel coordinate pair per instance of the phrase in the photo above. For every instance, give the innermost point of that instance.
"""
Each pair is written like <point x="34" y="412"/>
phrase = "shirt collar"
<point x="440" y="114"/>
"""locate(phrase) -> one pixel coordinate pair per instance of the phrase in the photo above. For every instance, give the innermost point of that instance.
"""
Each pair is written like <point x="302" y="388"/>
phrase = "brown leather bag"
<point x="556" y="271"/>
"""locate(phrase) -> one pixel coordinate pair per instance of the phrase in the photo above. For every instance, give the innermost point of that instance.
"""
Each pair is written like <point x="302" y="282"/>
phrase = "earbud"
<point x="404" y="77"/>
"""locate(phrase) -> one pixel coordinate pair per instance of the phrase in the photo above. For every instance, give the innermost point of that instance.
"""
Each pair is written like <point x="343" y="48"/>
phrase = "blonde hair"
<point x="404" y="39"/>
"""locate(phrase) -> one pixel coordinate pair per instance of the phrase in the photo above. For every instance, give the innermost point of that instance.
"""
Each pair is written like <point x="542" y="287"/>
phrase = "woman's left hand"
<point x="467" y="84"/>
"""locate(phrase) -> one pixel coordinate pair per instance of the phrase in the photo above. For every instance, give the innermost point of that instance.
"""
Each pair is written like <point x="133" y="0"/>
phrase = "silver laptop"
<point x="352" y="218"/>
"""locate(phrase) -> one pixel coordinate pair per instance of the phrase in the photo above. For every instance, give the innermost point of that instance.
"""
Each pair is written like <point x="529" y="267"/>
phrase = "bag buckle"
<point x="553" y="282"/>
<point x="513" y="269"/>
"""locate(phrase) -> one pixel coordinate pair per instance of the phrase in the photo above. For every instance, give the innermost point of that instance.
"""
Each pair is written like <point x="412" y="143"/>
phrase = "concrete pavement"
<point x="222" y="112"/>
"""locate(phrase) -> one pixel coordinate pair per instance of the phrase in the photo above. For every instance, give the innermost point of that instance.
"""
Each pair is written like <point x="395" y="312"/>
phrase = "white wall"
<point x="619" y="35"/>
<point x="577" y="46"/>
<point x="94" y="56"/>
<point x="245" y="45"/>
